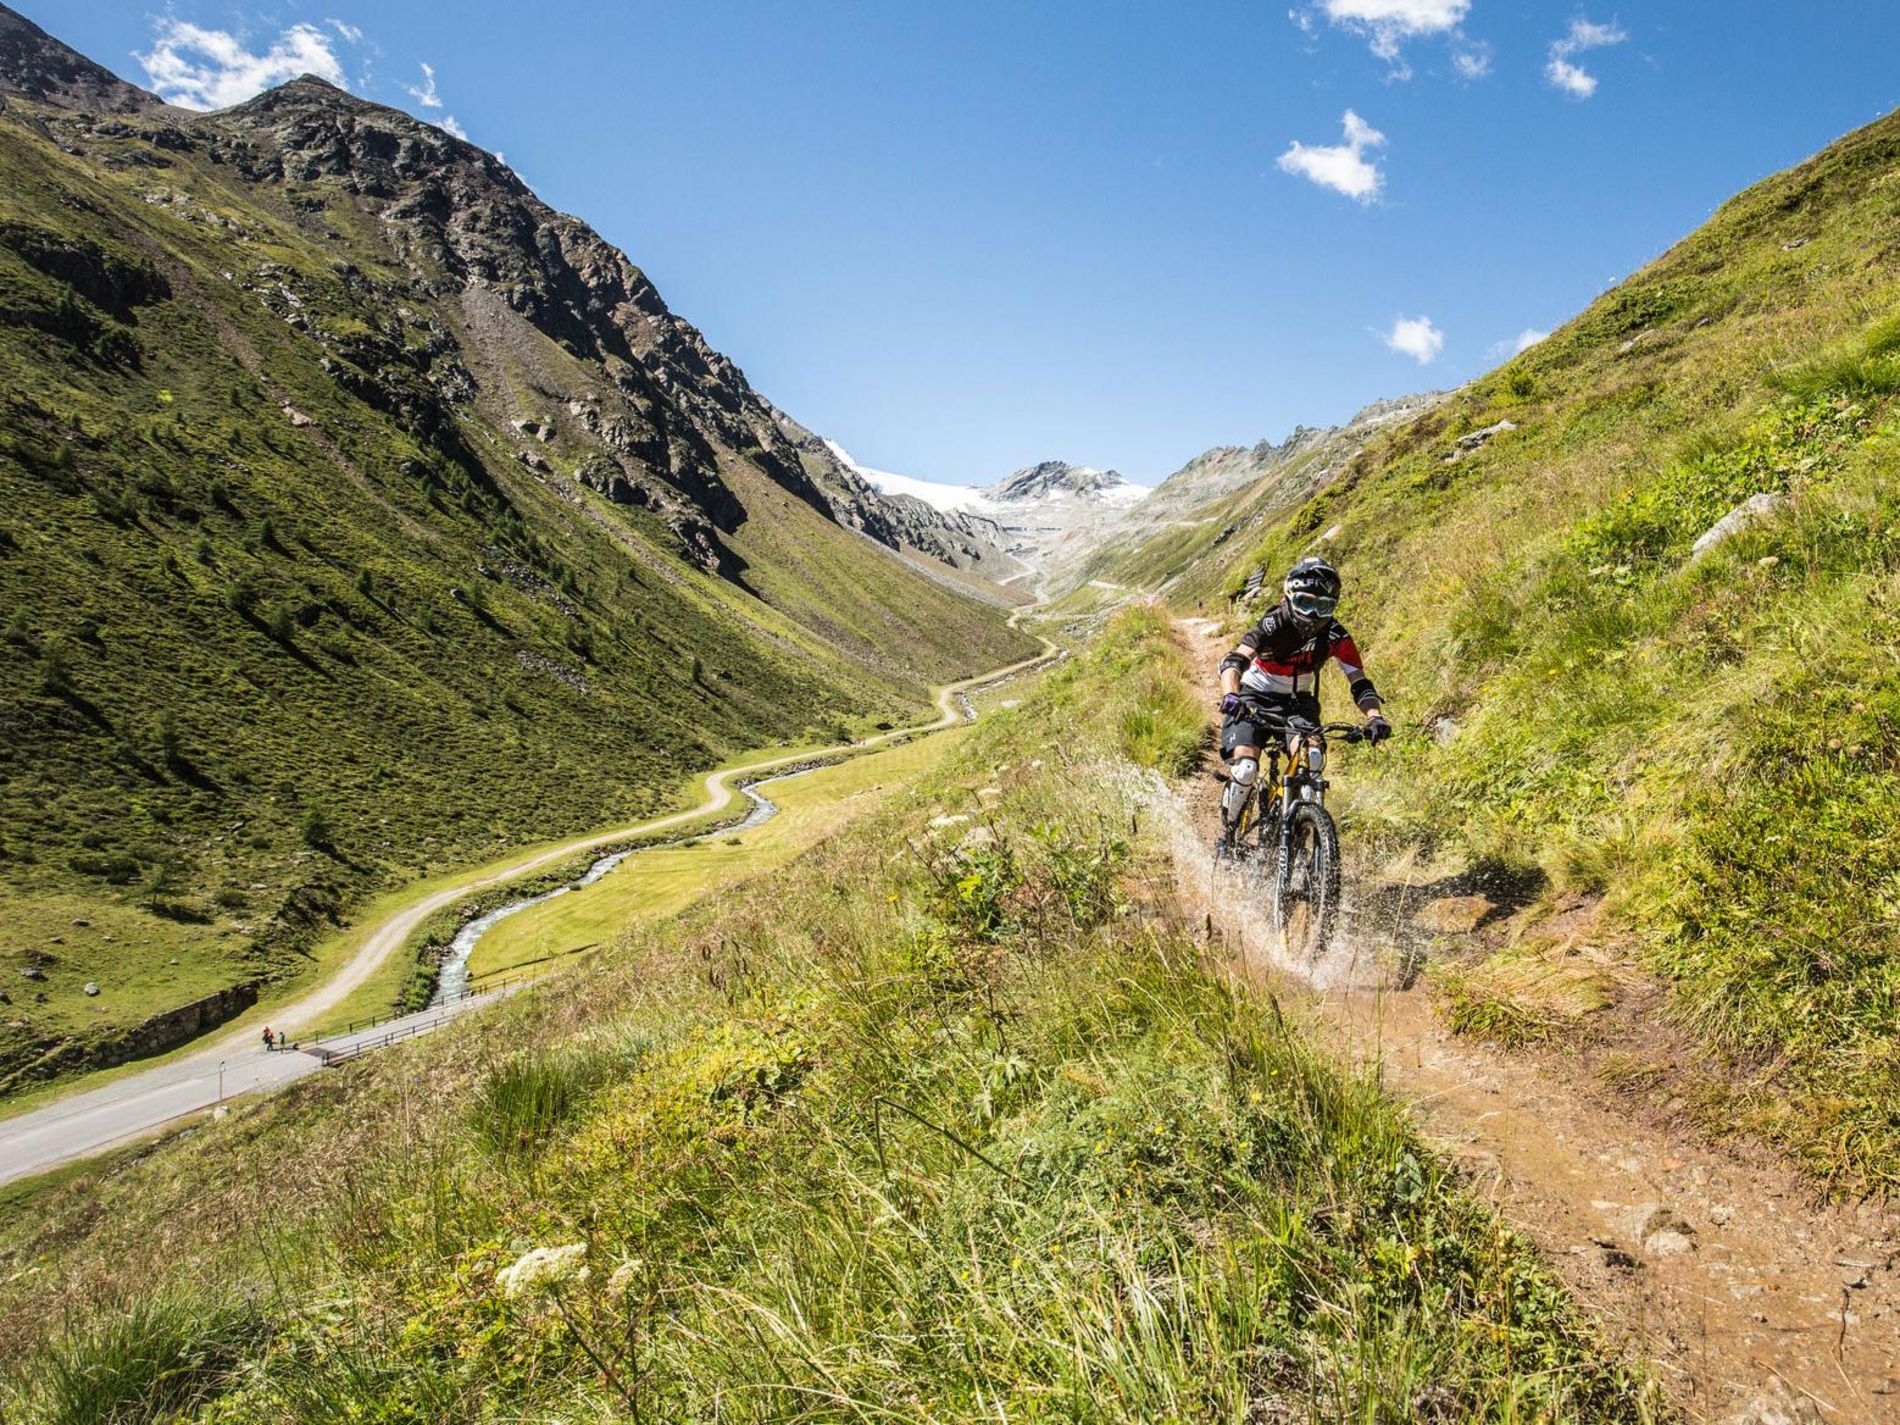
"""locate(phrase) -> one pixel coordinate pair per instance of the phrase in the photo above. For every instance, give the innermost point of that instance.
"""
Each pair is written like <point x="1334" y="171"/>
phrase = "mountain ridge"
<point x="34" y="65"/>
<point x="361" y="515"/>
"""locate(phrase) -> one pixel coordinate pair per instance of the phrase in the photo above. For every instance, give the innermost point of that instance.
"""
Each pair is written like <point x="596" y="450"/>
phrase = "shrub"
<point x="315" y="830"/>
<point x="54" y="671"/>
<point x="166" y="741"/>
<point x="114" y="867"/>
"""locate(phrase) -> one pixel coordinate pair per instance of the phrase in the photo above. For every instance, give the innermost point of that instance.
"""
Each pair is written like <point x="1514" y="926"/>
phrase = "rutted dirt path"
<point x="1754" y="1302"/>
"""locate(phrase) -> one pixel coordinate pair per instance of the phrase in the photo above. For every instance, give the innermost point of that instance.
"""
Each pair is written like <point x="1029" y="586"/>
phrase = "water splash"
<point x="1237" y="900"/>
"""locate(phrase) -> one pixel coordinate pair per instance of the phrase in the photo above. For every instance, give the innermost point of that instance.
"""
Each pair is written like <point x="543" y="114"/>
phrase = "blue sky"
<point x="958" y="238"/>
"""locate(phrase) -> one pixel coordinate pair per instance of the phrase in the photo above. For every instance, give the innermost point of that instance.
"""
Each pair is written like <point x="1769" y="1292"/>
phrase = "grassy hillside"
<point x="292" y="609"/>
<point x="946" y="1120"/>
<point x="1698" y="751"/>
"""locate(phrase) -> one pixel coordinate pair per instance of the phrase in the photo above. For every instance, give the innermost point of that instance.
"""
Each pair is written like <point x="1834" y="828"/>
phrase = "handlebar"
<point x="1348" y="732"/>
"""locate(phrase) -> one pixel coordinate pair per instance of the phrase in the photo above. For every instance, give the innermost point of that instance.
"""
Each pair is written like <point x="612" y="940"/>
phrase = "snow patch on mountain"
<point x="932" y="492"/>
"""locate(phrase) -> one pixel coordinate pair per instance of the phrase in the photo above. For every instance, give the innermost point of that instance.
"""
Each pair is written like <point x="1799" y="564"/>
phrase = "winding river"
<point x="451" y="982"/>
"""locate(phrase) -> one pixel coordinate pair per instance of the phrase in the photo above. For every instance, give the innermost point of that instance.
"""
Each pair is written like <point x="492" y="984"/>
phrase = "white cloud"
<point x="424" y="93"/>
<point x="198" y="68"/>
<point x="1586" y="34"/>
<point x="1573" y="79"/>
<point x="1472" y="59"/>
<point x="1417" y="338"/>
<point x="352" y="34"/>
<point x="1520" y="343"/>
<point x="1388" y="24"/>
<point x="1341" y="167"/>
<point x="450" y="125"/>
<point x="1303" y="21"/>
<point x="1583" y="35"/>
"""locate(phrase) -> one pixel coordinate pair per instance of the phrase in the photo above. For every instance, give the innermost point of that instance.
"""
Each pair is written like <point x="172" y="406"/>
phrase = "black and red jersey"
<point x="1279" y="657"/>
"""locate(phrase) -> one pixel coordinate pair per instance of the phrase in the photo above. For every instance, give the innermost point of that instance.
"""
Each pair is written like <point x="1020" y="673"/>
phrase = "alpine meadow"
<point x="536" y="887"/>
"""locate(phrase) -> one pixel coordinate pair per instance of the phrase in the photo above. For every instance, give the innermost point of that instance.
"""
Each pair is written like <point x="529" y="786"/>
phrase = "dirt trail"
<point x="1754" y="1303"/>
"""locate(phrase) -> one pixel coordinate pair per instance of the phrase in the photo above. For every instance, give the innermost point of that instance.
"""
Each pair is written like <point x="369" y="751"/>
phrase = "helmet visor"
<point x="1311" y="605"/>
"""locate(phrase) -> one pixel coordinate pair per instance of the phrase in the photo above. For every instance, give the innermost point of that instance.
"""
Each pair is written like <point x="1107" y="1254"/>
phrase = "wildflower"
<point x="544" y="1269"/>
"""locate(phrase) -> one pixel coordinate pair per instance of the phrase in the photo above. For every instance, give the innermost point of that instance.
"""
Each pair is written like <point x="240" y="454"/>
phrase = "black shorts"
<point x="1262" y="723"/>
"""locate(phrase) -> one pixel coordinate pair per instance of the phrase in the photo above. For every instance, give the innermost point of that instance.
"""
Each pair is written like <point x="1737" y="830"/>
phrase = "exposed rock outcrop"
<point x="1751" y="511"/>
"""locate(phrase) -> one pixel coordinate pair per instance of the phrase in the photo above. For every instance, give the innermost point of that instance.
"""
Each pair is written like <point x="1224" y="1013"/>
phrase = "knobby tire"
<point x="1306" y="886"/>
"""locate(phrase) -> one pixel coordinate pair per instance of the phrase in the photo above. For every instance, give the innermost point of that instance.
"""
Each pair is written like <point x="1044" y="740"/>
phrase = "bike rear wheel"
<point x="1306" y="890"/>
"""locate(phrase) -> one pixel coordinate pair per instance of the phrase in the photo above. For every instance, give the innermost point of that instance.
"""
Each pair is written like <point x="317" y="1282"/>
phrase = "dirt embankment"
<point x="1755" y="1302"/>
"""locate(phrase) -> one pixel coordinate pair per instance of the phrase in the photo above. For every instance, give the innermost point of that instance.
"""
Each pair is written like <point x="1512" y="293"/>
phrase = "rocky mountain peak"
<point x="464" y="224"/>
<point x="1054" y="479"/>
<point x="34" y="65"/>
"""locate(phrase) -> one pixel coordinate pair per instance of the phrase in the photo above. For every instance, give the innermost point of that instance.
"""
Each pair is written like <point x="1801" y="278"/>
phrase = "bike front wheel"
<point x="1306" y="889"/>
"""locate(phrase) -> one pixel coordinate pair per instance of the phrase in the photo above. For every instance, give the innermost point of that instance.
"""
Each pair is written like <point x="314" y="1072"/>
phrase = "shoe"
<point x="1224" y="847"/>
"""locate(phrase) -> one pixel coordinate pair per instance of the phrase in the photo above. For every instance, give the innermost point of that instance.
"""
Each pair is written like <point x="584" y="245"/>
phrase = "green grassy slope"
<point x="285" y="613"/>
<point x="666" y="879"/>
<point x="1708" y="744"/>
<point x="948" y="1120"/>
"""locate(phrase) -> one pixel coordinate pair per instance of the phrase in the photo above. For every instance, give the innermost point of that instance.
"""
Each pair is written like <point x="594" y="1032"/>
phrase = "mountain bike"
<point x="1284" y="820"/>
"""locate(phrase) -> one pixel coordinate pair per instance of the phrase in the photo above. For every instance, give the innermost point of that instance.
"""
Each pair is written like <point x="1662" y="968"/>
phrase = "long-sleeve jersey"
<point x="1280" y="658"/>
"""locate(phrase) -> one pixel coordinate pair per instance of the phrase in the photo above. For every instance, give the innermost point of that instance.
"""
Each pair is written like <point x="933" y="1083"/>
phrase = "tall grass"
<point x="154" y="1356"/>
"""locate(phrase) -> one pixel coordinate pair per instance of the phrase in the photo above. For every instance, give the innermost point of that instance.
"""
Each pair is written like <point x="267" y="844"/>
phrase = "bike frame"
<point x="1300" y="782"/>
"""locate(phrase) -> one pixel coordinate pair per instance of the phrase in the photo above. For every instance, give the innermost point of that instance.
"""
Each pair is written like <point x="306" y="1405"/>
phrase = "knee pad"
<point x="1245" y="770"/>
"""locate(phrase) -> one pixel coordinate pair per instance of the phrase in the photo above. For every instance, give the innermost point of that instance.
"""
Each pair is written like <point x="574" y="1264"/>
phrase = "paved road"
<point x="91" y="1122"/>
<point x="96" y="1119"/>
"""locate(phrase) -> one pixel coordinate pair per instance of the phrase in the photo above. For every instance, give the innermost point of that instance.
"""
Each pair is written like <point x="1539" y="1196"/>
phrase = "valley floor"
<point x="90" y="1120"/>
<point x="1749" y="1296"/>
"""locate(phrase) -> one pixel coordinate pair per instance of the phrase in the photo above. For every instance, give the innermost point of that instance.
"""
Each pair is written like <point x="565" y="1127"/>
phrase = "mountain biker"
<point x="1272" y="677"/>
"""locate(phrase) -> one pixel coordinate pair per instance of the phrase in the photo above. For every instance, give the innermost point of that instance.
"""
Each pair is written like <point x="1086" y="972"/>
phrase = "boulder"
<point x="1473" y="441"/>
<point x="1662" y="1231"/>
<point x="1751" y="511"/>
<point x="1775" y="1404"/>
<point x="92" y="987"/>
<point x="1454" y="915"/>
<point x="32" y="972"/>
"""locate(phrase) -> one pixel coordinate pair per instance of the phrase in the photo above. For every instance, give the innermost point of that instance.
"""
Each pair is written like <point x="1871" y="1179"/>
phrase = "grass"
<point x="1709" y="743"/>
<point x="1520" y="997"/>
<point x="159" y="1357"/>
<point x="666" y="879"/>
<point x="943" y="1120"/>
<point x="255" y="672"/>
